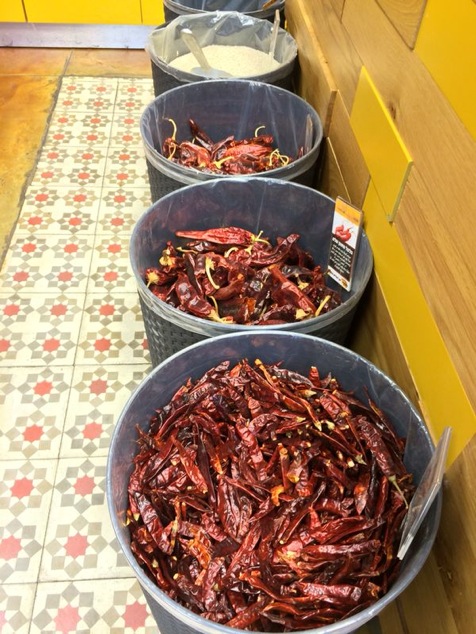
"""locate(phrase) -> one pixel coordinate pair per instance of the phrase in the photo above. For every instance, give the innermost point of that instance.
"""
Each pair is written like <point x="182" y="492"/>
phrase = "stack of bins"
<point x="278" y="201"/>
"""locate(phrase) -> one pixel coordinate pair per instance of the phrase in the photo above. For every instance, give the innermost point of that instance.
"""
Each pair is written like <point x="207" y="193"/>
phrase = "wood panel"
<point x="318" y="19"/>
<point x="455" y="546"/>
<point x="405" y="15"/>
<point x="424" y="605"/>
<point x="389" y="620"/>
<point x="373" y="335"/>
<point x="313" y="80"/>
<point x="447" y="277"/>
<point x="338" y="6"/>
<point x="444" y="155"/>
<point x="351" y="162"/>
<point x="331" y="181"/>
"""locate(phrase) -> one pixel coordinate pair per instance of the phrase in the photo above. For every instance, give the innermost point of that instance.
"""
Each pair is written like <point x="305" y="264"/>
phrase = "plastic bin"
<point x="225" y="107"/>
<point x="172" y="8"/>
<point x="218" y="28"/>
<point x="299" y="352"/>
<point x="275" y="207"/>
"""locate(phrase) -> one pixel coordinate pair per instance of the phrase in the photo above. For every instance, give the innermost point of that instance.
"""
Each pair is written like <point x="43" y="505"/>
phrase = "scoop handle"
<point x="195" y="48"/>
<point x="274" y="34"/>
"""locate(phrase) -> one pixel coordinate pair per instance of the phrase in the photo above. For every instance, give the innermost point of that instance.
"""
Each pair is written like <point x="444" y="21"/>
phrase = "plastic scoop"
<point x="425" y="493"/>
<point x="274" y="33"/>
<point x="204" y="69"/>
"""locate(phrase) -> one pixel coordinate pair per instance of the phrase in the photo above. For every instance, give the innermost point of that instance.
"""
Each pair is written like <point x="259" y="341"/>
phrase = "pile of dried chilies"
<point x="227" y="156"/>
<point x="231" y="275"/>
<point x="268" y="500"/>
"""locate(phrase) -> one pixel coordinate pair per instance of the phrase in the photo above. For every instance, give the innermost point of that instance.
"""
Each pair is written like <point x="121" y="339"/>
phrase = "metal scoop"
<point x="205" y="70"/>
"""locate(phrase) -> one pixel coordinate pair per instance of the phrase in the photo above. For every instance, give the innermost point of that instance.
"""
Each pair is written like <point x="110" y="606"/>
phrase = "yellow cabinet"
<point x="83" y="12"/>
<point x="12" y="11"/>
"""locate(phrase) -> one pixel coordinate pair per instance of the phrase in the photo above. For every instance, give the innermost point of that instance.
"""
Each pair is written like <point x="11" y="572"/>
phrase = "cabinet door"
<point x="84" y="11"/>
<point x="12" y="11"/>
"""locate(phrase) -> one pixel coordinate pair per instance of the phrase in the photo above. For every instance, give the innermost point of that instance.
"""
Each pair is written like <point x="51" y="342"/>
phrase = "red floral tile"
<point x="72" y="350"/>
<point x="26" y="488"/>
<point x="98" y="394"/>
<point x="92" y="606"/>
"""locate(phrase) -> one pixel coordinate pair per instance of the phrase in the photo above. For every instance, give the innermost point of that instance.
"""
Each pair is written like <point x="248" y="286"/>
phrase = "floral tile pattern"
<point x="72" y="350"/>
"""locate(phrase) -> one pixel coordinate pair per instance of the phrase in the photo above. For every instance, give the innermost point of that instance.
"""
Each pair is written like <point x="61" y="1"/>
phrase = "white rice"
<point x="239" y="61"/>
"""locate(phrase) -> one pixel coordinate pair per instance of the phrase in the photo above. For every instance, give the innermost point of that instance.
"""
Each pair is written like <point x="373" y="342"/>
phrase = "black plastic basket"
<point x="299" y="352"/>
<point x="174" y="8"/>
<point x="223" y="28"/>
<point x="226" y="107"/>
<point x="276" y="207"/>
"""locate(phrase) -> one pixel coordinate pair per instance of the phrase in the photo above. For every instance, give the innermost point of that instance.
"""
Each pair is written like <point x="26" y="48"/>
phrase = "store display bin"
<point x="275" y="207"/>
<point x="219" y="28"/>
<point x="299" y="351"/>
<point x="230" y="107"/>
<point x="174" y="8"/>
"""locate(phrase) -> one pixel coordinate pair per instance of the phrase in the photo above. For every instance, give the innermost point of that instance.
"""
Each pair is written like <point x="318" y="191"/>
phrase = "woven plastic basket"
<point x="224" y="29"/>
<point x="174" y="8"/>
<point x="275" y="207"/>
<point x="227" y="107"/>
<point x="299" y="352"/>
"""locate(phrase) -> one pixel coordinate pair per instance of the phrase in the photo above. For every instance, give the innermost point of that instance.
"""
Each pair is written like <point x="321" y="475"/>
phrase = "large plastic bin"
<point x="275" y="207"/>
<point x="223" y="28"/>
<point x="174" y="8"/>
<point x="299" y="352"/>
<point x="225" y="107"/>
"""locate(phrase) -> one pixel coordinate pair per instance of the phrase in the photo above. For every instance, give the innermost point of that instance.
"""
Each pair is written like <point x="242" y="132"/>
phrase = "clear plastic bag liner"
<point x="297" y="352"/>
<point x="236" y="107"/>
<point x="243" y="6"/>
<point x="224" y="29"/>
<point x="275" y="207"/>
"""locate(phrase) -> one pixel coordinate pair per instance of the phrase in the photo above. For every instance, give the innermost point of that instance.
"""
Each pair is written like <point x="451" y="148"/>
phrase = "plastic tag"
<point x="346" y="230"/>
<point x="425" y="493"/>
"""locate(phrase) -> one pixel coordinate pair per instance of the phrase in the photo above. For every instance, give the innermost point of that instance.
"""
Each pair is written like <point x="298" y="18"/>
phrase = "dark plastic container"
<point x="275" y="207"/>
<point x="299" y="352"/>
<point x="173" y="8"/>
<point x="223" y="28"/>
<point x="224" y="107"/>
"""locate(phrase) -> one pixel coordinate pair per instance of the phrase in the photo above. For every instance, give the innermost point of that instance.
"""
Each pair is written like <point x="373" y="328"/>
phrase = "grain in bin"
<point x="234" y="42"/>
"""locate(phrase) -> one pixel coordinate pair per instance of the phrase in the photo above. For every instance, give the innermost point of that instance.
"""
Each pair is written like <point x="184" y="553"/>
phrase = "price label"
<point x="346" y="230"/>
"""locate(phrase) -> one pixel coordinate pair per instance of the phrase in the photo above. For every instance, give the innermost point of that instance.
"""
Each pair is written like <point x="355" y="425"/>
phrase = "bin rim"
<point x="177" y="6"/>
<point x="205" y="626"/>
<point x="197" y="324"/>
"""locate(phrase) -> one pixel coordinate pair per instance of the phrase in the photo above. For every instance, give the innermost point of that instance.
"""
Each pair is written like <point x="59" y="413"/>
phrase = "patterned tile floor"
<point x="72" y="348"/>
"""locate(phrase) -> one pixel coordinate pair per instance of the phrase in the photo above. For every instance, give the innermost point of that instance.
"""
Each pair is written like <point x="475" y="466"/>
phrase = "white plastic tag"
<point x="346" y="230"/>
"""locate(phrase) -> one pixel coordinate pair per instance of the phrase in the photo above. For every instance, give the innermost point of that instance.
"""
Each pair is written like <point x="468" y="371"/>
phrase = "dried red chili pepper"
<point x="227" y="156"/>
<point x="242" y="277"/>
<point x="246" y="503"/>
